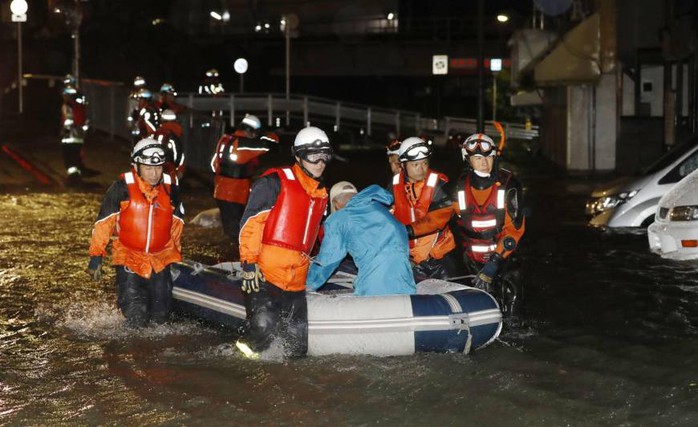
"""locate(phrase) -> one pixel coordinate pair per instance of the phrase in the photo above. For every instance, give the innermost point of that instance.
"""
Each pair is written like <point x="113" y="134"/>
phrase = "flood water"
<point x="609" y="337"/>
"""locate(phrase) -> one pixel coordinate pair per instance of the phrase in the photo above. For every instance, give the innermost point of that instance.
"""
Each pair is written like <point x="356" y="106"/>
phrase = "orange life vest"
<point x="145" y="226"/>
<point x="405" y="211"/>
<point x="481" y="224"/>
<point x="294" y="221"/>
<point x="434" y="245"/>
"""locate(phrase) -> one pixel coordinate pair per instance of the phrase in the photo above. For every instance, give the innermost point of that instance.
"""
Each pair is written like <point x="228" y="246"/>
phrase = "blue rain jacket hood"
<point x="366" y="230"/>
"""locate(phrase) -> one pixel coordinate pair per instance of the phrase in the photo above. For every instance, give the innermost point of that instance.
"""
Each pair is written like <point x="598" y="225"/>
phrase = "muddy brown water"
<point x="609" y="334"/>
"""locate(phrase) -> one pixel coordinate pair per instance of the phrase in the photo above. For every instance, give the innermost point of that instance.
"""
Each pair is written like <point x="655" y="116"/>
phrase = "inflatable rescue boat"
<point x="442" y="316"/>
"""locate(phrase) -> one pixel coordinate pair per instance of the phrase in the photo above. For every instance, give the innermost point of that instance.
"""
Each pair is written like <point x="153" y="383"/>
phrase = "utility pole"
<point x="480" y="66"/>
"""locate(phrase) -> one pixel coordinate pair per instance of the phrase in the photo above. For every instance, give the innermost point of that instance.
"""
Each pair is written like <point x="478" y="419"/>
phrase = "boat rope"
<point x="464" y="323"/>
<point x="469" y="341"/>
<point x="197" y="268"/>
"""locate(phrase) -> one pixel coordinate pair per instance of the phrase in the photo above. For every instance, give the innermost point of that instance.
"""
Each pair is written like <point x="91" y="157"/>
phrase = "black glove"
<point x="484" y="277"/>
<point x="94" y="268"/>
<point x="251" y="278"/>
<point x="410" y="232"/>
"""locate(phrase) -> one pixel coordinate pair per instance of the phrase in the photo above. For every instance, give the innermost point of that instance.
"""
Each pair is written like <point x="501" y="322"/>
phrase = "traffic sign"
<point x="439" y="64"/>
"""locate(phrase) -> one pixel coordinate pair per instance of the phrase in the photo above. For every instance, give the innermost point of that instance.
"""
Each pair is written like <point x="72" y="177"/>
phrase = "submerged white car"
<point x="632" y="201"/>
<point x="674" y="234"/>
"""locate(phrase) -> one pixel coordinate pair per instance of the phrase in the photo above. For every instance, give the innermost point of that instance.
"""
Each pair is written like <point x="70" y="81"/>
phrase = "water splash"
<point x="101" y="320"/>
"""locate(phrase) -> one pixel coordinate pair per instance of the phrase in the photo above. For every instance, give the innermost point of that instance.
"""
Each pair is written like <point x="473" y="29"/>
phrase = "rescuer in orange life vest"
<point x="233" y="163"/>
<point x="146" y="118"/>
<point x="392" y="150"/>
<point x="279" y="228"/>
<point x="169" y="134"/>
<point x="423" y="204"/>
<point x="168" y="100"/>
<point x="144" y="207"/>
<point x="74" y="127"/>
<point x="488" y="202"/>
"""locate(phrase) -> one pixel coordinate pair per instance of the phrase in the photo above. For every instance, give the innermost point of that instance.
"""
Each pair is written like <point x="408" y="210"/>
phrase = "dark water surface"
<point x="610" y="337"/>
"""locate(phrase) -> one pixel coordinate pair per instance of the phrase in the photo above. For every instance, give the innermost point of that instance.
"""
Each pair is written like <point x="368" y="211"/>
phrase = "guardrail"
<point x="351" y="125"/>
<point x="279" y="111"/>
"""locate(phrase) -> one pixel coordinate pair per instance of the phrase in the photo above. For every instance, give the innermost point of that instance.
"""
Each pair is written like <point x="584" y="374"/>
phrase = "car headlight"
<point x="683" y="213"/>
<point x="610" y="202"/>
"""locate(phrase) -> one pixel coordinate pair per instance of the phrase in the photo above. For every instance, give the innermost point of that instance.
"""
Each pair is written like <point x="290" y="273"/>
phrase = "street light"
<point x="288" y="25"/>
<point x="240" y="67"/>
<point x="495" y="67"/>
<point x="19" y="14"/>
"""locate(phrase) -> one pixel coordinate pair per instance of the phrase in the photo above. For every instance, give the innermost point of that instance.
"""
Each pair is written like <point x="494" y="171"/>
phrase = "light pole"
<point x="495" y="68"/>
<point x="289" y="26"/>
<point x="72" y="14"/>
<point x="240" y="66"/>
<point x="19" y="14"/>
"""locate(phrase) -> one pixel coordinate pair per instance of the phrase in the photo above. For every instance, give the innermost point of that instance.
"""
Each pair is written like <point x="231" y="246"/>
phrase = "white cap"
<point x="342" y="187"/>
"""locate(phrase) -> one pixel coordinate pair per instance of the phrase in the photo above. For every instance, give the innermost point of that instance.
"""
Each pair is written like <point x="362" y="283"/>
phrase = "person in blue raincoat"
<point x="362" y="226"/>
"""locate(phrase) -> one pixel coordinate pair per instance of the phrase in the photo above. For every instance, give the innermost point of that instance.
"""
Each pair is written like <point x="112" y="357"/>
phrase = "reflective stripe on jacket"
<point x="294" y="221"/>
<point x="140" y="262"/>
<point x="485" y="218"/>
<point x="430" y="223"/>
<point x="282" y="267"/>
<point x="234" y="163"/>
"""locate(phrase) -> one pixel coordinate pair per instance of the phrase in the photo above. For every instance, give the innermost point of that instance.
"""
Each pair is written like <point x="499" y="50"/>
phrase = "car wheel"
<point x="646" y="223"/>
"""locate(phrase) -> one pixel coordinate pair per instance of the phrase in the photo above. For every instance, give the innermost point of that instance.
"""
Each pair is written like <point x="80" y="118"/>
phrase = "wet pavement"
<point x="608" y="336"/>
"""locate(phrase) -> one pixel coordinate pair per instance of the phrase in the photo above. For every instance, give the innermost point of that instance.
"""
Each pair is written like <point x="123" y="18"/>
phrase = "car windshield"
<point x="671" y="156"/>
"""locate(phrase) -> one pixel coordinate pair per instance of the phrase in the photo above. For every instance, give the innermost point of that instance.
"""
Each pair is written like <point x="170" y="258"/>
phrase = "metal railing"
<point x="371" y="121"/>
<point x="351" y="125"/>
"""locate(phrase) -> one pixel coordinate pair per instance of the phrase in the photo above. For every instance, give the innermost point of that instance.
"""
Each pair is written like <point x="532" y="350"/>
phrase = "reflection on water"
<point x="608" y="338"/>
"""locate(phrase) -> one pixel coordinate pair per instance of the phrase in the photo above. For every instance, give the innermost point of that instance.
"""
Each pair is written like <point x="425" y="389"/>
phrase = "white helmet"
<point x="393" y="148"/>
<point x="312" y="145"/>
<point x="478" y="144"/>
<point x="251" y="122"/>
<point x="168" y="116"/>
<point x="143" y="93"/>
<point x="311" y="137"/>
<point x="413" y="148"/>
<point x="168" y="88"/>
<point x="69" y="80"/>
<point x="149" y="152"/>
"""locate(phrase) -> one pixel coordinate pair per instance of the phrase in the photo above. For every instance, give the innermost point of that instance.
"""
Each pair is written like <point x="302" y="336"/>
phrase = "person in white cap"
<point x="362" y="226"/>
<point x="340" y="193"/>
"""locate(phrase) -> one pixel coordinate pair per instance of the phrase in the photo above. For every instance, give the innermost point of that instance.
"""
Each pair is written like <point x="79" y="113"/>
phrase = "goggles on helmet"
<point x="151" y="155"/>
<point x="416" y="152"/>
<point x="393" y="147"/>
<point x="479" y="146"/>
<point x="316" y="156"/>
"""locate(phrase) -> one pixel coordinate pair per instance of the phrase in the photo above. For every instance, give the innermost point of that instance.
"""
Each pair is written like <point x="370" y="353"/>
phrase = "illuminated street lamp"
<point x="240" y="67"/>
<point x="19" y="14"/>
<point x="502" y="18"/>
<point x="495" y="68"/>
<point x="225" y="16"/>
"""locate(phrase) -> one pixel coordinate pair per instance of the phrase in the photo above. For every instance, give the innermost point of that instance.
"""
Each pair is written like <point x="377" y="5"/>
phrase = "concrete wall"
<point x="592" y="126"/>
